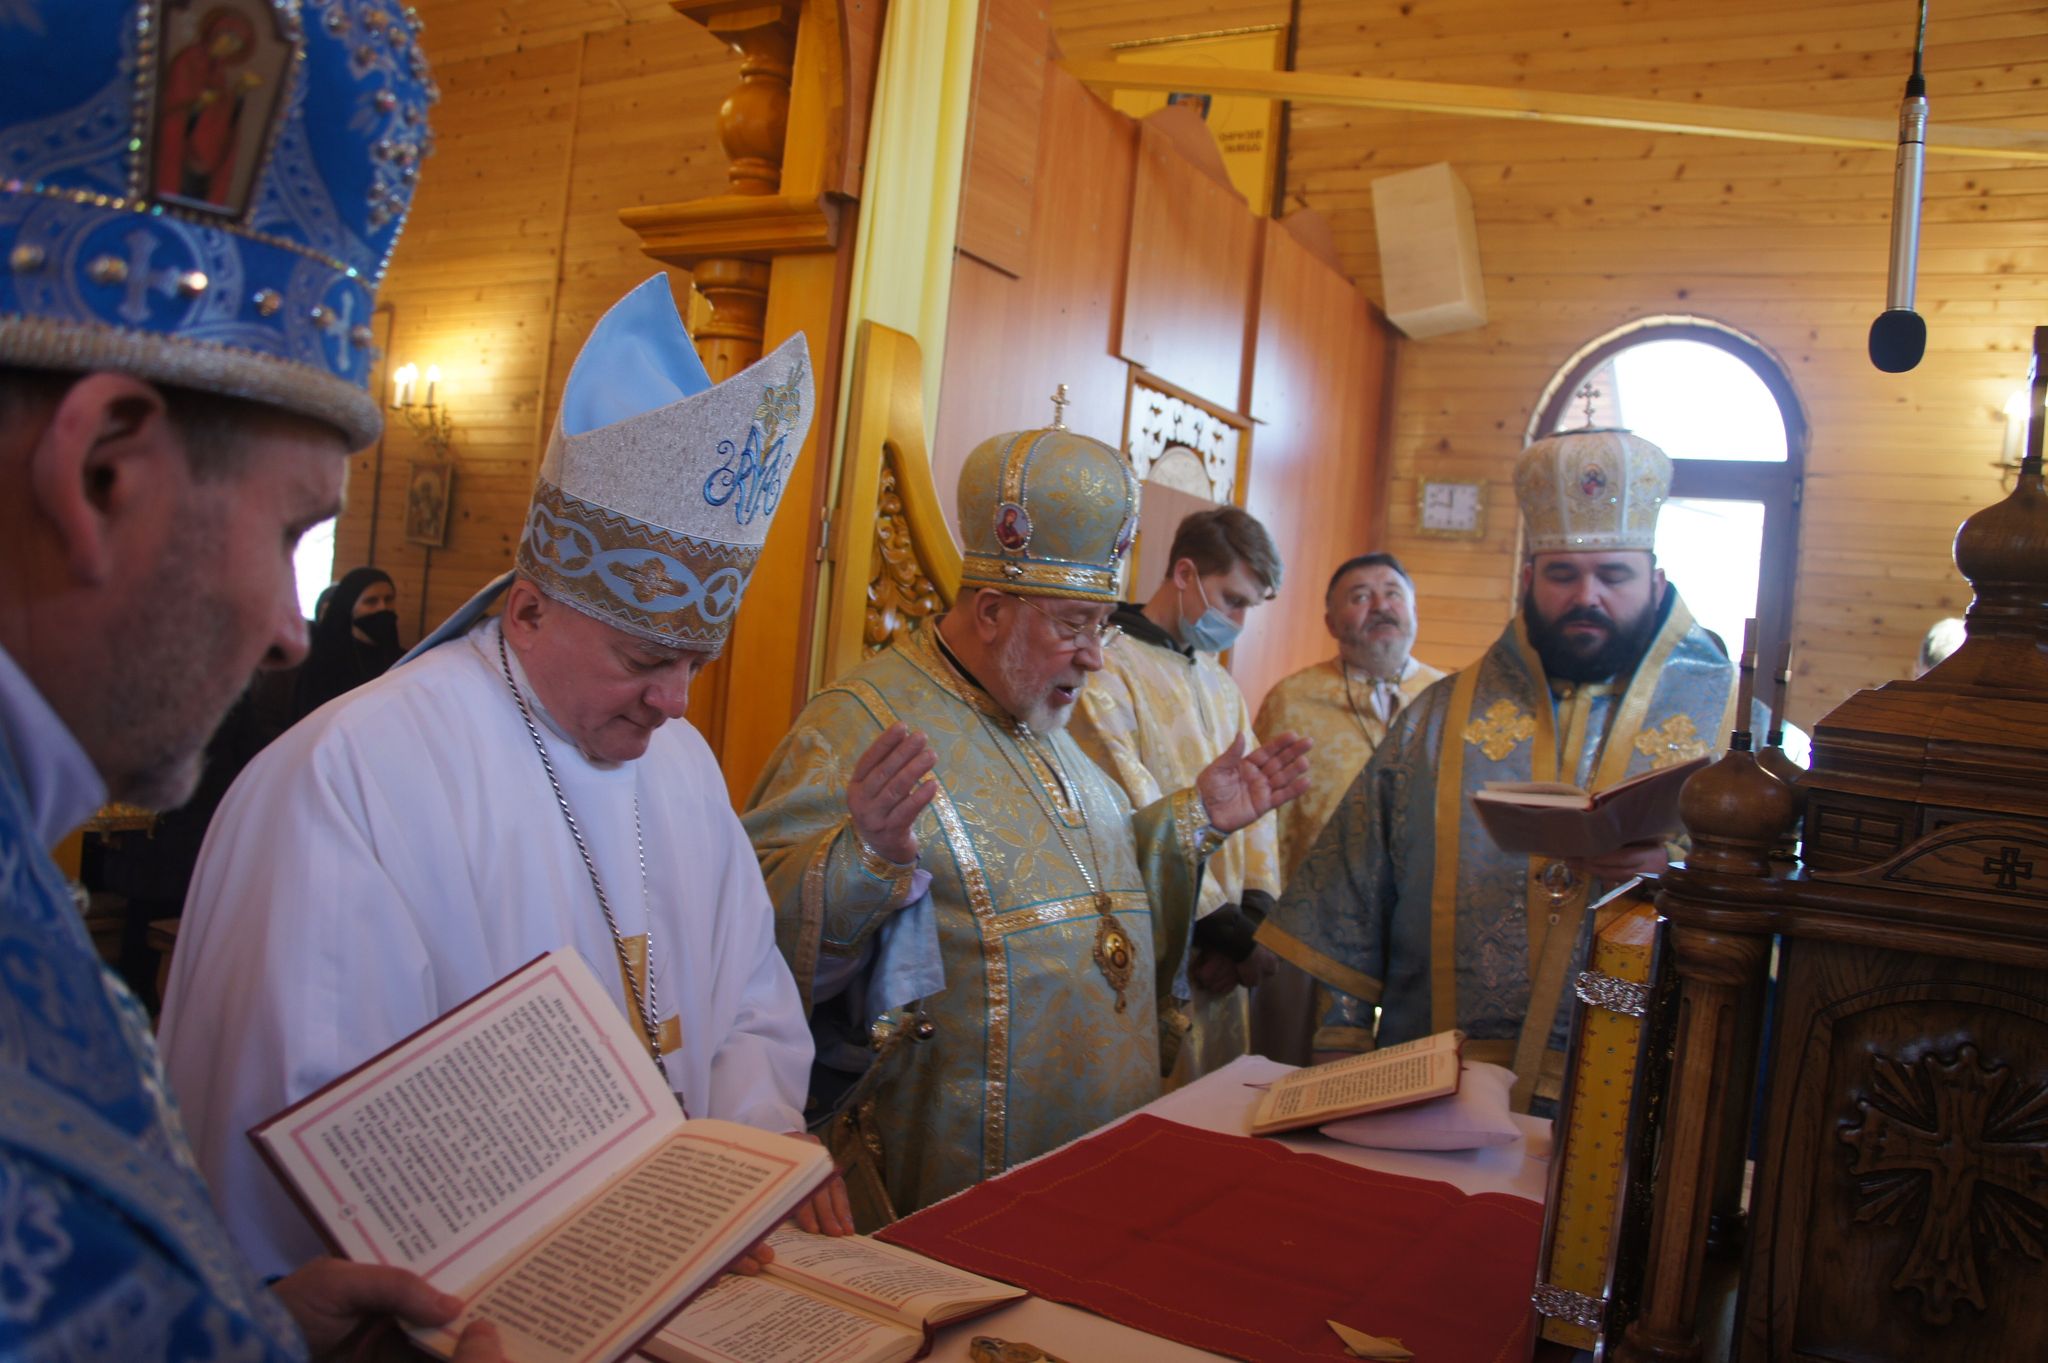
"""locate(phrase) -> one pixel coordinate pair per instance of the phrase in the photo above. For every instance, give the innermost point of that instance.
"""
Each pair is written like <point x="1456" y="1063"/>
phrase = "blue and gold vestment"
<point x="1453" y="932"/>
<point x="1026" y="1045"/>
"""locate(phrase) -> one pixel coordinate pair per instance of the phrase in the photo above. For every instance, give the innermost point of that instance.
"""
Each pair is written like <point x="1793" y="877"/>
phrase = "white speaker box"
<point x="1429" y="251"/>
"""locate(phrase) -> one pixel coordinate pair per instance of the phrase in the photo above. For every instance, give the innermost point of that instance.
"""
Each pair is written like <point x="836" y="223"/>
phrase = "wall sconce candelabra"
<point x="429" y="419"/>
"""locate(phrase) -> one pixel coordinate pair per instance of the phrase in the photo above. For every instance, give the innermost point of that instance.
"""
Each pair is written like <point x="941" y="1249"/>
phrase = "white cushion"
<point x="1474" y="1118"/>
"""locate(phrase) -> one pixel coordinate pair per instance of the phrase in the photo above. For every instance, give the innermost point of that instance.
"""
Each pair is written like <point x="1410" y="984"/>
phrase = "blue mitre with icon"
<point x="658" y="487"/>
<point x="205" y="193"/>
<point x="1047" y="513"/>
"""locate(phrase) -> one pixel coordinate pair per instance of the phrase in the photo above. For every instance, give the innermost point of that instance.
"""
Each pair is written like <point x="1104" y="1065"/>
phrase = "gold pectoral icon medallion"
<point x="1113" y="952"/>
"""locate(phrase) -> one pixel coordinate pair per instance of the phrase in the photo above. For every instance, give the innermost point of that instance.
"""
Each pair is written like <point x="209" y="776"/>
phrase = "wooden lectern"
<point x="1899" y="1208"/>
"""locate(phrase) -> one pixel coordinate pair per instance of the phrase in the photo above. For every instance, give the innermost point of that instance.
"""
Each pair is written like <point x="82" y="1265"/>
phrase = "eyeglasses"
<point x="1075" y="636"/>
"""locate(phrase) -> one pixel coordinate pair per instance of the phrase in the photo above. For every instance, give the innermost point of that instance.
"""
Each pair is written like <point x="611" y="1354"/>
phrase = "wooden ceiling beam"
<point x="1598" y="111"/>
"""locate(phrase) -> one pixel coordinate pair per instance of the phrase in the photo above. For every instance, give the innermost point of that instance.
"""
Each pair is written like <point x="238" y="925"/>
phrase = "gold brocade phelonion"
<point x="1114" y="955"/>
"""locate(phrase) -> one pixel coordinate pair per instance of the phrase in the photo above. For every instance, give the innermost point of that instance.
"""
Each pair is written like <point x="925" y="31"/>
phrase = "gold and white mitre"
<point x="1591" y="489"/>
<point x="657" y="487"/>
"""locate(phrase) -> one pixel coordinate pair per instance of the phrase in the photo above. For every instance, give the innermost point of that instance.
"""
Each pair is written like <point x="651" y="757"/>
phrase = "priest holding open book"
<point x="1405" y="902"/>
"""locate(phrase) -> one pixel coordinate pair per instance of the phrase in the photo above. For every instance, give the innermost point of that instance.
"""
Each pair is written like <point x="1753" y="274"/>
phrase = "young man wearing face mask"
<point x="1162" y="708"/>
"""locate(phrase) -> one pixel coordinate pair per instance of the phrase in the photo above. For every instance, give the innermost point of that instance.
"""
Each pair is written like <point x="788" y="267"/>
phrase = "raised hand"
<point x="1239" y="787"/>
<point x="888" y="791"/>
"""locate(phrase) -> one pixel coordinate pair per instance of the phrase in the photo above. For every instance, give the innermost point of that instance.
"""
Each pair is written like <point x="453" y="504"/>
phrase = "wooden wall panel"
<point x="552" y="119"/>
<point x="1188" y="285"/>
<point x="1581" y="230"/>
<point x="1316" y="478"/>
<point x="1010" y="341"/>
<point x="1315" y="348"/>
<point x="999" y="189"/>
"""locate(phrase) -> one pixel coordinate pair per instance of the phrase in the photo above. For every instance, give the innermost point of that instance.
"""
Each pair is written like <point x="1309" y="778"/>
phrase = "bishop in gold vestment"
<point x="978" y="921"/>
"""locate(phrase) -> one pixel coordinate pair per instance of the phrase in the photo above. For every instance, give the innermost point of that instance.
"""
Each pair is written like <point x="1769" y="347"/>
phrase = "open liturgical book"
<point x="850" y="1300"/>
<point x="1548" y="819"/>
<point x="522" y="1154"/>
<point x="1378" y="1081"/>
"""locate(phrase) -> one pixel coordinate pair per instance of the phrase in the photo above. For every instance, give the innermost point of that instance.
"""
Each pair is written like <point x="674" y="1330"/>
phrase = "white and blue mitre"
<point x="204" y="193"/>
<point x="658" y="487"/>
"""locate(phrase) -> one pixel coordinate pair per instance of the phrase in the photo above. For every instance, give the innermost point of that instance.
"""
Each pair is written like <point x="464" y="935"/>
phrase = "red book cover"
<point x="1247" y="1248"/>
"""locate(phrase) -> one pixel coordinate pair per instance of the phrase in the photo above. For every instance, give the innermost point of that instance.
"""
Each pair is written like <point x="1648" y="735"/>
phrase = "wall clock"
<point x="1456" y="510"/>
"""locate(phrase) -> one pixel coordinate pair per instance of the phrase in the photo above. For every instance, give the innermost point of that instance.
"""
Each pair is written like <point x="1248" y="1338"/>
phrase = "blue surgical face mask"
<point x="1214" y="632"/>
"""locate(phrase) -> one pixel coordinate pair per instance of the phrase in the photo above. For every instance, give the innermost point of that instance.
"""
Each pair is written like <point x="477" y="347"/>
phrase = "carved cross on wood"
<point x="1966" y="1149"/>
<point x="2008" y="867"/>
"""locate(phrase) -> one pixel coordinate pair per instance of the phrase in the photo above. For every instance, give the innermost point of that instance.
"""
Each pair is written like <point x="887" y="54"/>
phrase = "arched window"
<point x="1722" y="407"/>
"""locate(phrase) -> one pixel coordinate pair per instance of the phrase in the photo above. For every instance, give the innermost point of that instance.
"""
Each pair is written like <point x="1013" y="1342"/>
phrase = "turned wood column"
<point x="753" y="124"/>
<point x="1718" y="972"/>
<point x="738" y="293"/>
<point x="1736" y="813"/>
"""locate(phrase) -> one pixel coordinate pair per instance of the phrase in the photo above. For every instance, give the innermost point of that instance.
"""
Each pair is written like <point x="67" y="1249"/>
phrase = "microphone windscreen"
<point x="1898" y="338"/>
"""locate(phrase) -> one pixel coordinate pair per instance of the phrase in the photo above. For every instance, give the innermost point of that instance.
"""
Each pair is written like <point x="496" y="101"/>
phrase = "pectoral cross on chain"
<point x="671" y="1027"/>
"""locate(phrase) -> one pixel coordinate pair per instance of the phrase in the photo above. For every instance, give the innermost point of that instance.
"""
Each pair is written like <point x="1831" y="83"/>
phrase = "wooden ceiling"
<point x="1582" y="229"/>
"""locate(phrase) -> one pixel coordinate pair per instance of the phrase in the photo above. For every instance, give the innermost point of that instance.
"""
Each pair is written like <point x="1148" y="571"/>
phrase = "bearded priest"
<point x="1404" y="905"/>
<point x="982" y="927"/>
<point x="515" y="786"/>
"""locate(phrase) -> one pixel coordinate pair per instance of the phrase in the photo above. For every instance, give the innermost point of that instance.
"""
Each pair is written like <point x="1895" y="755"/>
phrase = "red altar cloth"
<point x="1247" y="1248"/>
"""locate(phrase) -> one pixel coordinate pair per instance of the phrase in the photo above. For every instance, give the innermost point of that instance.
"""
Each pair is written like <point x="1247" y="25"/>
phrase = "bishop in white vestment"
<point x="411" y="843"/>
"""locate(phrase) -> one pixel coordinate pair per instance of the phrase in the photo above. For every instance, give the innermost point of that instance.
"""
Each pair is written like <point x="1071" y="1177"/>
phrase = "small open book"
<point x="852" y="1300"/>
<point x="523" y="1153"/>
<point x="1412" y="1072"/>
<point x="1547" y="819"/>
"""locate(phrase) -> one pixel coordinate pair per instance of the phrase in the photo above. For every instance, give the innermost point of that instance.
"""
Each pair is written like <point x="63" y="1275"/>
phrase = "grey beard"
<point x="1385" y="658"/>
<point x="1013" y="668"/>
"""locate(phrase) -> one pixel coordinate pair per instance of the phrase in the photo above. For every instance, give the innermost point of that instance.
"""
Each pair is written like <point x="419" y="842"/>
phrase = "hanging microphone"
<point x="1898" y="338"/>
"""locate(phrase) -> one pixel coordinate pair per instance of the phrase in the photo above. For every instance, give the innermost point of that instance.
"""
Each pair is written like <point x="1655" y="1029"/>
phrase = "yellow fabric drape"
<point x="910" y="187"/>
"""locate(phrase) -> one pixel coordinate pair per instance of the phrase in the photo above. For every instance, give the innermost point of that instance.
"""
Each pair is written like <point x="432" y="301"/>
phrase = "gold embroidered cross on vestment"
<point x="1675" y="740"/>
<point x="1503" y="727"/>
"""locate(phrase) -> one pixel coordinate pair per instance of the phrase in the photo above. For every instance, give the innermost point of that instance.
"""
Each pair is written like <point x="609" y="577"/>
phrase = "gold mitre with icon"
<point x="1592" y="489"/>
<point x="1047" y="513"/>
<point x="657" y="487"/>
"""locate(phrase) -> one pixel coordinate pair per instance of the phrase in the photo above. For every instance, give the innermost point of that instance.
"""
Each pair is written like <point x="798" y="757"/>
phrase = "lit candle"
<point x="401" y="384"/>
<point x="433" y="379"/>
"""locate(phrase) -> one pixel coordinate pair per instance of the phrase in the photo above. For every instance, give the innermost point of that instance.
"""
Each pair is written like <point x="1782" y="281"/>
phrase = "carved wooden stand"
<point x="1900" y="1206"/>
<point x="770" y="258"/>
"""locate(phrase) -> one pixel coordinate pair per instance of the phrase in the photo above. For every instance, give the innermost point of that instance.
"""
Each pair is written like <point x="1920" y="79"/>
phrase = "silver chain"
<point x="643" y="997"/>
